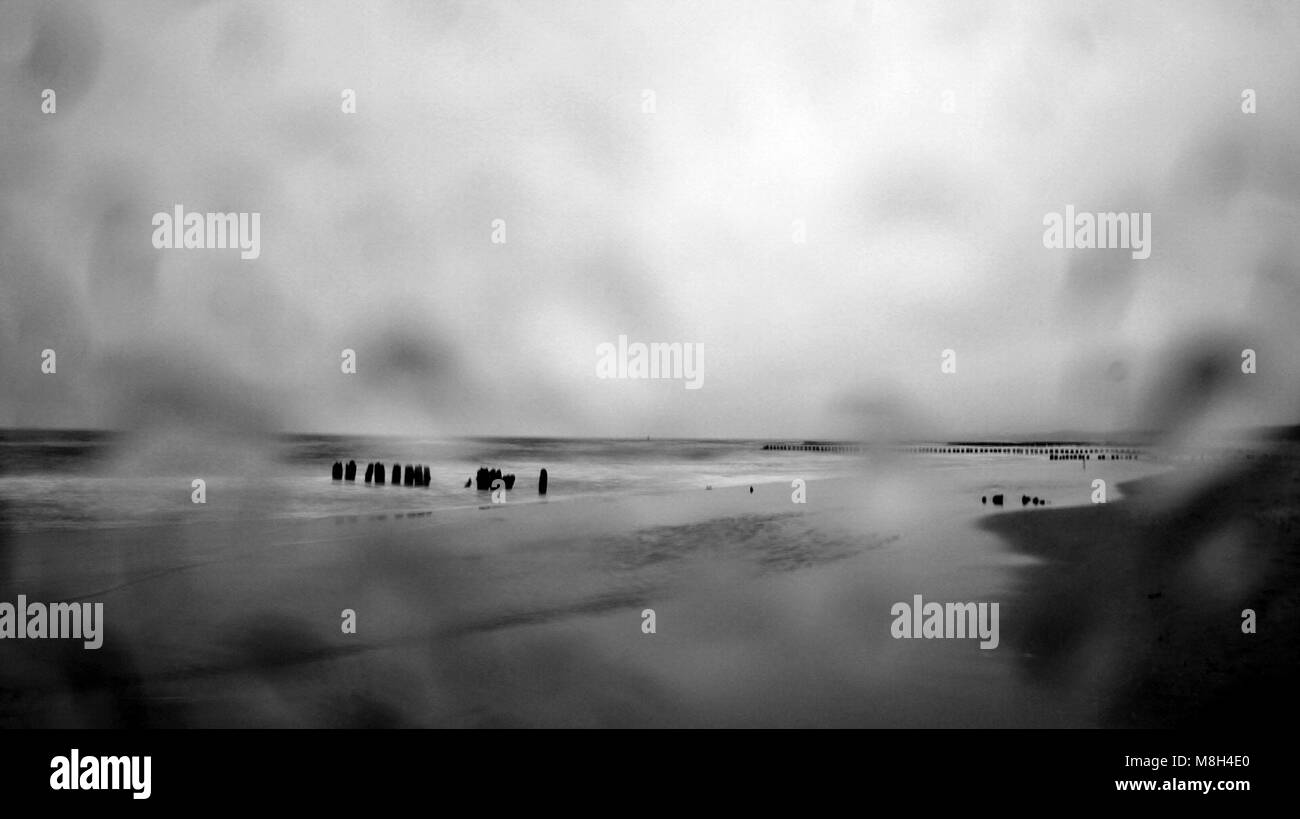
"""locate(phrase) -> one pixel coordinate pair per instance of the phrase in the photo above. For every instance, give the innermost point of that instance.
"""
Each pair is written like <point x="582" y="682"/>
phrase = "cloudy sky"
<point x="919" y="146"/>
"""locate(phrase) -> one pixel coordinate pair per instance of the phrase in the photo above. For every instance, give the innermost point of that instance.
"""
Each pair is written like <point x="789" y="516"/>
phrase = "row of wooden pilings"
<point x="815" y="447"/>
<point x="1056" y="453"/>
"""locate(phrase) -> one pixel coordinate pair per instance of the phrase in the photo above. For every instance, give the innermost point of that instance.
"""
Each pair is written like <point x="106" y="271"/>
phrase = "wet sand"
<point x="768" y="613"/>
<point x="1142" y="600"/>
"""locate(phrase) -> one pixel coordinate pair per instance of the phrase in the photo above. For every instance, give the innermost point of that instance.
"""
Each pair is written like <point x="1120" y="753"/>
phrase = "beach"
<point x="1144" y="599"/>
<point x="767" y="612"/>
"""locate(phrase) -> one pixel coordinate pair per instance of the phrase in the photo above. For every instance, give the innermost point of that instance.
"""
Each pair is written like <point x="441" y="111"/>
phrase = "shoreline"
<point x="1144" y="597"/>
<point x="770" y="612"/>
<point x="192" y="612"/>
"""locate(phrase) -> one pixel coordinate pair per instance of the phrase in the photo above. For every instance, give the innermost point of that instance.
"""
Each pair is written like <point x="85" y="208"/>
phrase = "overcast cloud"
<point x="924" y="227"/>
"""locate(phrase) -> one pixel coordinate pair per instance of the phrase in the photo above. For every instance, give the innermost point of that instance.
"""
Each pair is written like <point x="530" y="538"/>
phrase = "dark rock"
<point x="1024" y="500"/>
<point x="541" y="483"/>
<point x="370" y="472"/>
<point x="337" y="472"/>
<point x="997" y="500"/>
<point x="350" y="471"/>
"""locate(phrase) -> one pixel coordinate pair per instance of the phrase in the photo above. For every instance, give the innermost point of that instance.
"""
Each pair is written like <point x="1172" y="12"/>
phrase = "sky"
<point x="655" y="165"/>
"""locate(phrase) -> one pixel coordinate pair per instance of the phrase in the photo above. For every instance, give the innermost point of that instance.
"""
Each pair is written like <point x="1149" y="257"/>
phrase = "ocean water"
<point x="80" y="479"/>
<point x="77" y="479"/>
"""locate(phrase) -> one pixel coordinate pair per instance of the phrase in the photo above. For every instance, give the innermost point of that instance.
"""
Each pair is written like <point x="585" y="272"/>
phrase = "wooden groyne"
<point x="816" y="447"/>
<point x="1054" y="452"/>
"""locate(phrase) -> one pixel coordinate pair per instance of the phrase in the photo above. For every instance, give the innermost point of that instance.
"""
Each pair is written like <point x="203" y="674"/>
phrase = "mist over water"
<point x="668" y="227"/>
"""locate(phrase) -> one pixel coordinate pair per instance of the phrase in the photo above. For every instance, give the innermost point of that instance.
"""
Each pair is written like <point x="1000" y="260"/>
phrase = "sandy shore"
<point x="767" y="613"/>
<point x="1142" y="600"/>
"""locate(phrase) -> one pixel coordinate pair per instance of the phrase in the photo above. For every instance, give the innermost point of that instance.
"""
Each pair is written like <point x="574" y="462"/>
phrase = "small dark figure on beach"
<point x="469" y="482"/>
<point x="509" y="481"/>
<point x="337" y="472"/>
<point x="541" y="483"/>
<point x="379" y="473"/>
<point x="370" y="472"/>
<point x="409" y="476"/>
<point x="984" y="499"/>
<point x="751" y="490"/>
<point x="426" y="477"/>
<point x="350" y="472"/>
<point x="397" y="475"/>
<point x="997" y="500"/>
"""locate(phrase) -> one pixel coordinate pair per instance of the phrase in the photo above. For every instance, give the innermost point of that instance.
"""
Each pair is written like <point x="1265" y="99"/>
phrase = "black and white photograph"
<point x="644" y="364"/>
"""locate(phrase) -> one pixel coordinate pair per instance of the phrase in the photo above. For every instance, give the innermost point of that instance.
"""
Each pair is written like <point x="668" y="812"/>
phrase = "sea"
<point x="80" y="478"/>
